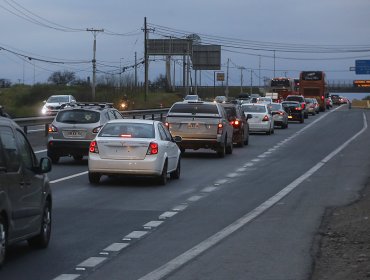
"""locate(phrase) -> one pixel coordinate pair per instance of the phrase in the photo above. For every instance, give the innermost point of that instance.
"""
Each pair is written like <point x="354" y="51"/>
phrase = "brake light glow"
<point x="322" y="97"/>
<point x="303" y="105"/>
<point x="52" y="129"/>
<point x="126" y="135"/>
<point x="265" y="118"/>
<point x="94" y="147"/>
<point x="97" y="129"/>
<point x="167" y="124"/>
<point x="298" y="108"/>
<point x="152" y="149"/>
<point x="220" y="127"/>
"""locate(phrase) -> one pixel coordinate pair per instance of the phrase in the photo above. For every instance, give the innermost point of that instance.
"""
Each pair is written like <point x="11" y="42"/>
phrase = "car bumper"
<point x="150" y="166"/>
<point x="71" y="147"/>
<point x="200" y="143"/>
<point x="257" y="127"/>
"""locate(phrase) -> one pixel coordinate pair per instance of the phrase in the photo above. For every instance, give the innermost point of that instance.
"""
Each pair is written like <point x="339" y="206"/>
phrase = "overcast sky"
<point x="55" y="31"/>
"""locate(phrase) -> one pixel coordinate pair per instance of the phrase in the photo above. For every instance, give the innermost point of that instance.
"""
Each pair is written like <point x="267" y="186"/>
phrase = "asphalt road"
<point x="251" y="215"/>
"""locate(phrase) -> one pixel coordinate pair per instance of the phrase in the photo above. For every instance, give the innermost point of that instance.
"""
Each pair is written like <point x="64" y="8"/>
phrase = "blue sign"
<point x="362" y="67"/>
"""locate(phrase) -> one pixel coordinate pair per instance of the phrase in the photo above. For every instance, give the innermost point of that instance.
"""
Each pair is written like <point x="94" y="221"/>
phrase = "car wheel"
<point x="162" y="179"/>
<point x="94" y="178"/>
<point x="3" y="240"/>
<point x="41" y="240"/>
<point x="229" y="148"/>
<point x="241" y="142"/>
<point x="221" y="151"/>
<point x="54" y="158"/>
<point x="78" y="158"/>
<point x="306" y="115"/>
<point x="176" y="174"/>
<point x="182" y="150"/>
<point x="286" y="125"/>
<point x="246" y="142"/>
<point x="301" y="120"/>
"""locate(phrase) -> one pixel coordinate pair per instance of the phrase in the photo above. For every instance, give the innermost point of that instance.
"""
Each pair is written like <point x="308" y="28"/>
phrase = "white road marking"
<point x="116" y="247"/>
<point x="41" y="151"/>
<point x="220" y="182"/>
<point x="256" y="160"/>
<point x="209" y="189"/>
<point x="92" y="262"/>
<point x="250" y="164"/>
<point x="67" y="277"/>
<point x="241" y="169"/>
<point x="180" y="207"/>
<point x="68" y="177"/>
<point x="182" y="259"/>
<point x="153" y="224"/>
<point x="136" y="234"/>
<point x="194" y="198"/>
<point x="232" y="175"/>
<point x="167" y="214"/>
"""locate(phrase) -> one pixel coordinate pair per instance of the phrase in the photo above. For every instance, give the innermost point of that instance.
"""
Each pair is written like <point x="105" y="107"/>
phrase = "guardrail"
<point x="133" y="114"/>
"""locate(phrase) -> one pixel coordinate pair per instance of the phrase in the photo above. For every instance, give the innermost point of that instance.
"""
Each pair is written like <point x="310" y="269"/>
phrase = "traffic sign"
<point x="362" y="67"/>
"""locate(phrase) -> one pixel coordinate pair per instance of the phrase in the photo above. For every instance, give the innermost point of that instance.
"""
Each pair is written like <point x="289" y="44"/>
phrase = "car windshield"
<point x="191" y="97"/>
<point x="254" y="109"/>
<point x="78" y="116"/>
<point x="58" y="99"/>
<point x="290" y="104"/>
<point x="130" y="130"/>
<point x="294" y="98"/>
<point x="198" y="108"/>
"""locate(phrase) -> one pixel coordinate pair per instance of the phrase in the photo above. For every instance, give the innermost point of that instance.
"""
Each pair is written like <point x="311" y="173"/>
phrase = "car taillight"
<point x="220" y="127"/>
<point x="52" y="129"/>
<point x="235" y="123"/>
<point x="303" y="105"/>
<point x="152" y="149"/>
<point x="298" y="108"/>
<point x="167" y="124"/>
<point x="96" y="129"/>
<point x="281" y="113"/>
<point x="265" y="118"/>
<point x="322" y="97"/>
<point x="94" y="147"/>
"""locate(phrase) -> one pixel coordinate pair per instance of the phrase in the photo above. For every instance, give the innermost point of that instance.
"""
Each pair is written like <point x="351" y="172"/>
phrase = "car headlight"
<point x="44" y="110"/>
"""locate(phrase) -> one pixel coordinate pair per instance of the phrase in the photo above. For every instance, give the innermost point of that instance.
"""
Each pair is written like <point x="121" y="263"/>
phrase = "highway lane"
<point x="211" y="194"/>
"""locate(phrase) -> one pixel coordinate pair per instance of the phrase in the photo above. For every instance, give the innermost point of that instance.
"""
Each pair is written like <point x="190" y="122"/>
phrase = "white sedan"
<point x="134" y="147"/>
<point x="261" y="120"/>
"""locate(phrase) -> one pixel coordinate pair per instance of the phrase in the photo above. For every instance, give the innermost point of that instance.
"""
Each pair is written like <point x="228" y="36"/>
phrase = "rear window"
<point x="290" y="104"/>
<point x="230" y="111"/>
<point x="294" y="98"/>
<point x="129" y="130"/>
<point x="254" y="109"/>
<point x="58" y="99"/>
<point x="78" y="116"/>
<point x="275" y="107"/>
<point x="198" y="108"/>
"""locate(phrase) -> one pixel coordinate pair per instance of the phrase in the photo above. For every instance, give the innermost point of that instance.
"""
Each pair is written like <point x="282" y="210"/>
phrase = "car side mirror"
<point x="44" y="165"/>
<point x="249" y="116"/>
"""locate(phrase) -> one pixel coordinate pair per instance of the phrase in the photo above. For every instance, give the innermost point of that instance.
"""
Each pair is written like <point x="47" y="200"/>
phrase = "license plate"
<point x="290" y="117"/>
<point x="193" y="125"/>
<point x="74" y="133"/>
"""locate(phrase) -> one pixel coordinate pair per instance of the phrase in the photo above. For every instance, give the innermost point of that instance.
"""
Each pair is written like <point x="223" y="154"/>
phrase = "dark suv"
<point x="239" y="121"/>
<point x="25" y="196"/>
<point x="75" y="127"/>
<point x="302" y="102"/>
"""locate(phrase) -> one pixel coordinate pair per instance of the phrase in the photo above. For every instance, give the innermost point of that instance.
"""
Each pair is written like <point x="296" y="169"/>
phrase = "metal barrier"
<point x="133" y="114"/>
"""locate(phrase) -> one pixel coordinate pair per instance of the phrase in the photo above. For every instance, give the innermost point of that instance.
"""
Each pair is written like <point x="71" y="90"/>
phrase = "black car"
<point x="301" y="100"/>
<point x="294" y="110"/>
<point x="25" y="195"/>
<point x="237" y="119"/>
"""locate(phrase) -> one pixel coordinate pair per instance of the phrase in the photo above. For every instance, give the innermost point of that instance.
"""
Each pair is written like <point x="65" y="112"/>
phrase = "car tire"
<point x="176" y="174"/>
<point x="78" y="158"/>
<point x="301" y="120"/>
<point x="268" y="132"/>
<point x="94" y="178"/>
<point x="221" y="151"/>
<point x="306" y="115"/>
<point x="162" y="179"/>
<point x="3" y="240"/>
<point x="246" y="142"/>
<point x="182" y="150"/>
<point x="229" y="148"/>
<point x="41" y="240"/>
<point x="54" y="158"/>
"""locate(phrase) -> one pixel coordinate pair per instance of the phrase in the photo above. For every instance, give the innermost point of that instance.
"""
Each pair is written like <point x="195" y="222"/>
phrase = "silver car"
<point x="279" y="115"/>
<point x="262" y="120"/>
<point x="201" y="125"/>
<point x="55" y="102"/>
<point x="75" y="127"/>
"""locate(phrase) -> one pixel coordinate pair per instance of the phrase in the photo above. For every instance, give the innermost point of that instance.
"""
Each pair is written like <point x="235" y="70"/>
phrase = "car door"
<point x="28" y="194"/>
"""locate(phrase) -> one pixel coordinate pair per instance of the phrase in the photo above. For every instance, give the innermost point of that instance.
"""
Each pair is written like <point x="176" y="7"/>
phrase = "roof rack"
<point x="101" y="105"/>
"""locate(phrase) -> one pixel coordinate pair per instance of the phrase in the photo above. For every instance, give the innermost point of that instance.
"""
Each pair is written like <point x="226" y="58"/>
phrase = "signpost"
<point x="362" y="67"/>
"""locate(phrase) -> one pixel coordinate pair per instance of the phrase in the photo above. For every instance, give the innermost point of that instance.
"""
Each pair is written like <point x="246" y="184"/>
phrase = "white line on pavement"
<point x="68" y="177"/>
<point x="182" y="259"/>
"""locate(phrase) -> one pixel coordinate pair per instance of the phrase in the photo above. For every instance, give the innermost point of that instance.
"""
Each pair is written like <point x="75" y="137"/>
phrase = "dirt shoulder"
<point x="344" y="248"/>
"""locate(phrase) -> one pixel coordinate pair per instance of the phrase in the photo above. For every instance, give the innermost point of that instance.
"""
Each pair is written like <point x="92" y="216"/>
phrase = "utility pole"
<point x="227" y="79"/>
<point x="135" y="71"/>
<point x="251" y="80"/>
<point x="146" y="63"/>
<point x="274" y="64"/>
<point x="241" y="79"/>
<point x="94" y="32"/>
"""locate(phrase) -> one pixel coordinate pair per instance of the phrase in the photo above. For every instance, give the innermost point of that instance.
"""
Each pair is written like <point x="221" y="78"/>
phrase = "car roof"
<point x="8" y="122"/>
